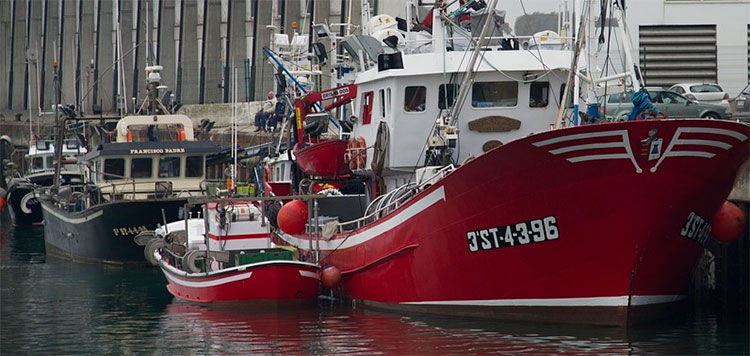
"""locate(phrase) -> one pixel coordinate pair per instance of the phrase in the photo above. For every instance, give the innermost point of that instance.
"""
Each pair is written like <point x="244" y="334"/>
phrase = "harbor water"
<point x="50" y="306"/>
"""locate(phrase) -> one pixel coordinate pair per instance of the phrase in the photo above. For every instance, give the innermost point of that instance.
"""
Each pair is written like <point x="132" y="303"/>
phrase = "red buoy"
<point x="292" y="217"/>
<point x="2" y="204"/>
<point x="331" y="276"/>
<point x="729" y="223"/>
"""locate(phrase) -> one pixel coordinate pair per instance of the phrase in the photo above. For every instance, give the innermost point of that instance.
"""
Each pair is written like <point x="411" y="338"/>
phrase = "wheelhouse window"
<point x="37" y="163"/>
<point x="169" y="167"/>
<point x="193" y="166"/>
<point x="494" y="94"/>
<point x="539" y="95"/>
<point x="50" y="161"/>
<point x="114" y="168"/>
<point x="415" y="98"/>
<point x="446" y="98"/>
<point x="141" y="168"/>
<point x="367" y="108"/>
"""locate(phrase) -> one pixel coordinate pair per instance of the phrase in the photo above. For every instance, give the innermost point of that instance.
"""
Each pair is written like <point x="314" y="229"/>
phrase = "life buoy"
<point x="350" y="155"/>
<point x="130" y="136"/>
<point x="181" y="134"/>
<point x="361" y="152"/>
<point x="266" y="178"/>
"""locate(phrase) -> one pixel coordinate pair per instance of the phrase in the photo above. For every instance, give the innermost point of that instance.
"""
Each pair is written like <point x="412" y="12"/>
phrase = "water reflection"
<point x="51" y="306"/>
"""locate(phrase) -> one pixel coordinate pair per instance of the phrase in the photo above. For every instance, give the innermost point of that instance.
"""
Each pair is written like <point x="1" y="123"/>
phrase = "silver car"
<point x="742" y="105"/>
<point x="706" y="93"/>
<point x="676" y="106"/>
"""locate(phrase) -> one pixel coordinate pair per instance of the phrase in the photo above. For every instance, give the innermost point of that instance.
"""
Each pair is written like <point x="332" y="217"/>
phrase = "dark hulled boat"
<point x="24" y="206"/>
<point x="129" y="187"/>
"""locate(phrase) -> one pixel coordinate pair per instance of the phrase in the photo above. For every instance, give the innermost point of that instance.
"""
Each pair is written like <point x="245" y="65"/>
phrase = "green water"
<point x="55" y="307"/>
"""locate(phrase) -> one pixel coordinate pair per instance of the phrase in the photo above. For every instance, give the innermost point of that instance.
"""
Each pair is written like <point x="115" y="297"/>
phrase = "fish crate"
<point x="264" y="255"/>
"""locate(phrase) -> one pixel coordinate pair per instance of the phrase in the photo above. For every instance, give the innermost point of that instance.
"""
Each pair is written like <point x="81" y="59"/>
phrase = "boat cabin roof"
<point x="152" y="148"/>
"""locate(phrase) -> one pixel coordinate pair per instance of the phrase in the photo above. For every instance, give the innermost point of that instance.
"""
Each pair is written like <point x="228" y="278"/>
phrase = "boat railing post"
<point x="205" y="229"/>
<point x="317" y="230"/>
<point x="309" y="225"/>
<point x="187" y="238"/>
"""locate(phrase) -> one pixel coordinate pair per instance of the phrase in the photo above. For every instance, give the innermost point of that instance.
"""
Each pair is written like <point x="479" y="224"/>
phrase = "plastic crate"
<point x="255" y="257"/>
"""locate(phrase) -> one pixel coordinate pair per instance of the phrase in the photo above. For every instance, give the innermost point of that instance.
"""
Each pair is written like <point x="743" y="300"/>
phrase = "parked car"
<point x="676" y="106"/>
<point x="703" y="93"/>
<point x="742" y="105"/>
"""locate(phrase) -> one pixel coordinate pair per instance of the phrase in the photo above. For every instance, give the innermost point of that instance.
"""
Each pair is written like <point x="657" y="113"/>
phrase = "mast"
<point x="136" y="39"/>
<point x="468" y="76"/>
<point x="12" y="38"/>
<point x="44" y="52"/>
<point x="97" y="30"/>
<point x="115" y="82"/>
<point x="156" y="31"/>
<point x="249" y="48"/>
<point x="79" y="15"/>
<point x="27" y="92"/>
<point x="61" y="32"/>
<point x="226" y="30"/>
<point x="178" y="31"/>
<point x="201" y="29"/>
<point x="253" y="51"/>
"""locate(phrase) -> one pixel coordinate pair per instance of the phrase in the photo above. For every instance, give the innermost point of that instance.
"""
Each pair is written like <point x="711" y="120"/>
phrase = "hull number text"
<point x="696" y="228"/>
<point x="539" y="230"/>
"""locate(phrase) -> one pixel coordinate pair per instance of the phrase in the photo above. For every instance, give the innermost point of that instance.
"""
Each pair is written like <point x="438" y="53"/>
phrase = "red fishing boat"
<point x="592" y="223"/>
<point x="234" y="260"/>
<point x="480" y="194"/>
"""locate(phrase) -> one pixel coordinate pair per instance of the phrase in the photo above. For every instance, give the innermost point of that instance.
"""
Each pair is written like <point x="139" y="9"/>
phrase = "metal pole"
<point x="12" y="38"/>
<point x="44" y="52"/>
<point x="136" y="39"/>
<point x="249" y="45"/>
<point x="115" y="86"/>
<point x="254" y="51"/>
<point x="79" y="20"/>
<point x="97" y="31"/>
<point x="179" y="12"/>
<point x="202" y="11"/>
<point x="61" y="32"/>
<point x="27" y="92"/>
<point x="157" y="31"/>
<point x="226" y="30"/>
<point x="59" y="133"/>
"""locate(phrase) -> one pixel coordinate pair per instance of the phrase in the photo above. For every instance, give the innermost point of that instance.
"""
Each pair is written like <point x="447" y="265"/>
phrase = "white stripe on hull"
<point x="74" y="220"/>
<point x="309" y="274"/>
<point x="560" y="302"/>
<point x="379" y="229"/>
<point x="206" y="284"/>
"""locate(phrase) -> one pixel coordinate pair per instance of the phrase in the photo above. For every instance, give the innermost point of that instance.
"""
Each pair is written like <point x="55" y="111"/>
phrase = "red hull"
<point x="602" y="217"/>
<point x="272" y="280"/>
<point x="322" y="159"/>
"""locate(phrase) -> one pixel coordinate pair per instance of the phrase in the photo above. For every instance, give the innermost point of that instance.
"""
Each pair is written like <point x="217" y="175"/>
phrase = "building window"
<point x="448" y="96"/>
<point x="539" y="95"/>
<point x="169" y="167"/>
<point x="193" y="166"/>
<point x="114" y="168"/>
<point x="141" y="167"/>
<point x="415" y="98"/>
<point x="494" y="94"/>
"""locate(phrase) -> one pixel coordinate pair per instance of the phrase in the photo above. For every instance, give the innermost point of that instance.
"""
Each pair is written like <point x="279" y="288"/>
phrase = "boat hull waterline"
<point x="264" y="281"/>
<point x="105" y="233"/>
<point x="607" y="219"/>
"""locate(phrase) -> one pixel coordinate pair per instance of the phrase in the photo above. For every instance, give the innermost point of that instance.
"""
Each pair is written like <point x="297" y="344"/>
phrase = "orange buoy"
<point x="292" y="217"/>
<point x="181" y="134"/>
<point x="130" y="136"/>
<point x="729" y="223"/>
<point x="331" y="276"/>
